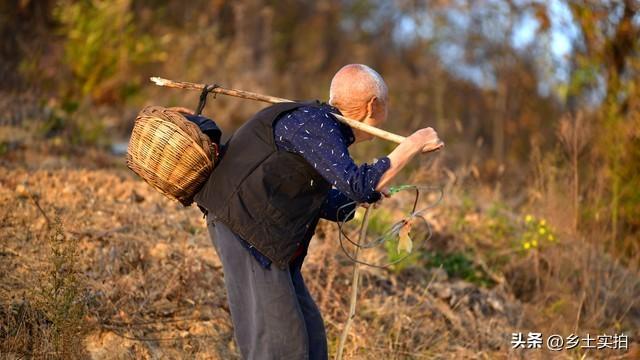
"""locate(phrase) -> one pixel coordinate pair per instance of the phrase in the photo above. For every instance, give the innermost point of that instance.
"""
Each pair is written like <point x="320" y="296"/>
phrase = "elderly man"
<point x="282" y="171"/>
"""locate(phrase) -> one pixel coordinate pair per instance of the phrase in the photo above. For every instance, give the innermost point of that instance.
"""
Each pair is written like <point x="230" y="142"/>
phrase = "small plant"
<point x="458" y="265"/>
<point x="500" y="225"/>
<point x="60" y="296"/>
<point x="4" y="148"/>
<point x="48" y="321"/>
<point x="536" y="234"/>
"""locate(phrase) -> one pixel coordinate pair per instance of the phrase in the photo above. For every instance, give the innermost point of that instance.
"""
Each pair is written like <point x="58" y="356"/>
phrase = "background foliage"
<point x="538" y="103"/>
<point x="485" y="75"/>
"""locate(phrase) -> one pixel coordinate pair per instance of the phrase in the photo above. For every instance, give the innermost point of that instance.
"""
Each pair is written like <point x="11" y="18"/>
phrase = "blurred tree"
<point x="24" y="31"/>
<point x="607" y="68"/>
<point x="102" y="48"/>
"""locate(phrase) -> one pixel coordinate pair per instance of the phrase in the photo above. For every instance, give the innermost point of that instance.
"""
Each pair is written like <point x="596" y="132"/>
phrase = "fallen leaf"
<point x="404" y="240"/>
<point x="22" y="191"/>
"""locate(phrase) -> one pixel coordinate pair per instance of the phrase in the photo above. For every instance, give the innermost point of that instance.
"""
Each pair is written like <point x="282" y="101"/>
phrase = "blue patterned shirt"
<point x="323" y="141"/>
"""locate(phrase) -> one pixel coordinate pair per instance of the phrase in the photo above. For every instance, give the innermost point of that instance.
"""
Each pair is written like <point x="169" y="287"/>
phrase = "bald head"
<point x="353" y="87"/>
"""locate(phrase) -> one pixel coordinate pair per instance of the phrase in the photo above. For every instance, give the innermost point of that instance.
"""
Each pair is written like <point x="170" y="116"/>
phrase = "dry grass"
<point x="47" y="321"/>
<point x="153" y="283"/>
<point x="150" y="271"/>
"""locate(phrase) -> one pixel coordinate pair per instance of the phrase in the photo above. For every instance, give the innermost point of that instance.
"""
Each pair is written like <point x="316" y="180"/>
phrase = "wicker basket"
<point x="170" y="153"/>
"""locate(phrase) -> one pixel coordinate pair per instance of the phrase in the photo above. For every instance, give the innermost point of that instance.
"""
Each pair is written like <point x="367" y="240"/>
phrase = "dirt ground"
<point x="152" y="284"/>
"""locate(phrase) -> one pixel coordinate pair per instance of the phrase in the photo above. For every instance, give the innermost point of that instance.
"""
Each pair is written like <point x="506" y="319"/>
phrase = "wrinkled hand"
<point x="426" y="140"/>
<point x="183" y="110"/>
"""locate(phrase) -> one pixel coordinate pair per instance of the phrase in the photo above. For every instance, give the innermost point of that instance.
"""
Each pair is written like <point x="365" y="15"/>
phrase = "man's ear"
<point x="371" y="104"/>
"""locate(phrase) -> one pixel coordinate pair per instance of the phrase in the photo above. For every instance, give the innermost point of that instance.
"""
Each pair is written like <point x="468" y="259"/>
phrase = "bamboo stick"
<point x="218" y="90"/>
<point x="355" y="282"/>
<point x="382" y="134"/>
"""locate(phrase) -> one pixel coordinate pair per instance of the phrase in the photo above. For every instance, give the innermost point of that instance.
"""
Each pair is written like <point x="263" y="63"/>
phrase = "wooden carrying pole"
<point x="382" y="134"/>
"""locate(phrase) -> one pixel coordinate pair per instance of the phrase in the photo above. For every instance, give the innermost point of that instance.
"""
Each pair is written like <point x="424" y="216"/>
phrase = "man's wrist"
<point x="414" y="149"/>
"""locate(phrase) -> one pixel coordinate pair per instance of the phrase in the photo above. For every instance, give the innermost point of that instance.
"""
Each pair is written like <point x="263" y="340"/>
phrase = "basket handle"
<point x="203" y="97"/>
<point x="216" y="89"/>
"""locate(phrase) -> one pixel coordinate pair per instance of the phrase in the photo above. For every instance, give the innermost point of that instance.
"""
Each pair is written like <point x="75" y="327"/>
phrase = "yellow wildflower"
<point x="542" y="231"/>
<point x="528" y="218"/>
<point x="527" y="245"/>
<point x="543" y="222"/>
<point x="551" y="237"/>
<point x="534" y="243"/>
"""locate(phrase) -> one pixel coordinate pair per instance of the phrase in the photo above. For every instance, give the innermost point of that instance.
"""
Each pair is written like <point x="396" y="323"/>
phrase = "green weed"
<point x="458" y="265"/>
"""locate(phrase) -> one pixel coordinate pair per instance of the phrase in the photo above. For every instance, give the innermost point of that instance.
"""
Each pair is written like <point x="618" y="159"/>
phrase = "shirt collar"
<point x="345" y="130"/>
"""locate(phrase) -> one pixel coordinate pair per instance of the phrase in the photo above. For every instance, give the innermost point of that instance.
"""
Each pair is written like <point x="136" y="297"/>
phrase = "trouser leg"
<point x="267" y="318"/>
<point x="317" y="336"/>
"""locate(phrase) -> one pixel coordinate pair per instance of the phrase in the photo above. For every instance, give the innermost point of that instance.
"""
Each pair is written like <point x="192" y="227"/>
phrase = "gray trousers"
<point x="273" y="314"/>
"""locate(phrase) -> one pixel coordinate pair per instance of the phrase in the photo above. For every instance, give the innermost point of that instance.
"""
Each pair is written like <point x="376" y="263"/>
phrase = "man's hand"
<point x="426" y="140"/>
<point x="422" y="141"/>
<point x="385" y="194"/>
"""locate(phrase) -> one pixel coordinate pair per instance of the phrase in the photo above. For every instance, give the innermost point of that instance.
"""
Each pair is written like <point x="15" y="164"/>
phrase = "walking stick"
<point x="354" y="288"/>
<point x="382" y="134"/>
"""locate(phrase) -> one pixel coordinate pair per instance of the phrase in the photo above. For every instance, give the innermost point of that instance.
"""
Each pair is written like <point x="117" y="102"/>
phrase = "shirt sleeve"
<point x="316" y="135"/>
<point x="337" y="207"/>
